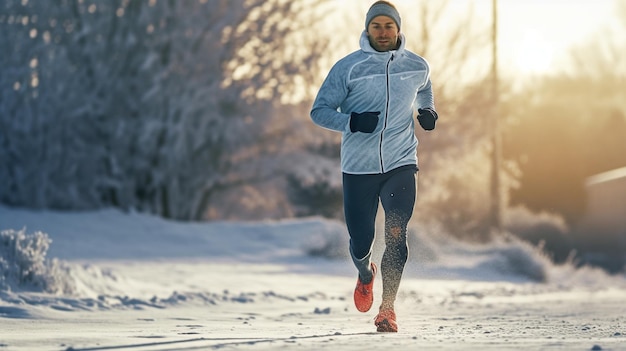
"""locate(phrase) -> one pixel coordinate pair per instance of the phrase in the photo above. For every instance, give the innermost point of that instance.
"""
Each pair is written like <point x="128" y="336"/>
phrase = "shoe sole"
<point x="385" y="327"/>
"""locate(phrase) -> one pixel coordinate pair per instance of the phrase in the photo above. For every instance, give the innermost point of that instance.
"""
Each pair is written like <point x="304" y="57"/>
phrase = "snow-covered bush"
<point x="23" y="263"/>
<point x="518" y="258"/>
<point x="540" y="229"/>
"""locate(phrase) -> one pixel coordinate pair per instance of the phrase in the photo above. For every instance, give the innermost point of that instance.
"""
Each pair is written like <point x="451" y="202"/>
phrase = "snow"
<point x="129" y="281"/>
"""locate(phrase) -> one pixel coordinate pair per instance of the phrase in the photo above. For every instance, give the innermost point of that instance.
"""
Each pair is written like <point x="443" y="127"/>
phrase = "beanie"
<point x="382" y="9"/>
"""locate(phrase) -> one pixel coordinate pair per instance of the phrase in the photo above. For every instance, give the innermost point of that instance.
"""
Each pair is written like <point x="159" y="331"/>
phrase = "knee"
<point x="395" y="236"/>
<point x="360" y="250"/>
<point x="396" y="226"/>
<point x="396" y="222"/>
<point x="397" y="248"/>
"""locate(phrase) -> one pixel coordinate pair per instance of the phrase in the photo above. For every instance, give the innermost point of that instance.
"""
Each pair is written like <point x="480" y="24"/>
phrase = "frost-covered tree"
<point x="160" y="106"/>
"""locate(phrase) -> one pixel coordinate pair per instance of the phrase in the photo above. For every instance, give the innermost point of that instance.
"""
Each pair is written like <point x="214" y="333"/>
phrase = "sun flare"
<point x="533" y="55"/>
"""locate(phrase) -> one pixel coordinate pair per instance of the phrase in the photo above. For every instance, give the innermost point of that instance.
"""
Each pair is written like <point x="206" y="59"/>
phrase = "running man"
<point x="371" y="96"/>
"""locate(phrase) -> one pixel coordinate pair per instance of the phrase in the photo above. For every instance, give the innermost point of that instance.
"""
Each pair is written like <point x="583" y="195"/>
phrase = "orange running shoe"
<point x="363" y="295"/>
<point x="386" y="321"/>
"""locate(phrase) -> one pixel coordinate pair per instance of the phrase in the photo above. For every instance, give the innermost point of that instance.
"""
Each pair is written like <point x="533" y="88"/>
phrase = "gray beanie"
<point x="382" y="9"/>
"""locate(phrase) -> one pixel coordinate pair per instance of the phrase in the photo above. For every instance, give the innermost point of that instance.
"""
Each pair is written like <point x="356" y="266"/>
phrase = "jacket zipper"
<point x="380" y="146"/>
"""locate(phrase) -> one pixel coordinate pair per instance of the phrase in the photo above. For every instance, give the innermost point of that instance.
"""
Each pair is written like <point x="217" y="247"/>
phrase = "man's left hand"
<point x="427" y="118"/>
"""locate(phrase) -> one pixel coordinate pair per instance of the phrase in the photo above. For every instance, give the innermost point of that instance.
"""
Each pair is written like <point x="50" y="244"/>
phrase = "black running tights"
<point x="396" y="190"/>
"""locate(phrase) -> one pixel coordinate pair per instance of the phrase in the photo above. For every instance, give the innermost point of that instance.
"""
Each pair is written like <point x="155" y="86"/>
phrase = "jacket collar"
<point x="367" y="47"/>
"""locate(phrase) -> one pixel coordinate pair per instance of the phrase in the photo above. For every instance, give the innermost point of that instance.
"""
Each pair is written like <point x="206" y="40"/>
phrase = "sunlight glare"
<point x="534" y="36"/>
<point x="533" y="55"/>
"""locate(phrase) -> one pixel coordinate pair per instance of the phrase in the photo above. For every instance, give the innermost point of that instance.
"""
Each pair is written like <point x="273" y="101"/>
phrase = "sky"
<point x="534" y="36"/>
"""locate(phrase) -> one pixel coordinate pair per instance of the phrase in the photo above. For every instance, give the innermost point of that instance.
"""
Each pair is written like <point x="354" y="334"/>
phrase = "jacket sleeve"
<point x="325" y="111"/>
<point x="425" y="98"/>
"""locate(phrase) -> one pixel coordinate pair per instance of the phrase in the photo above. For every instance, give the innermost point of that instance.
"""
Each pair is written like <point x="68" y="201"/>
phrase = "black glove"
<point x="427" y="118"/>
<point x="364" y="122"/>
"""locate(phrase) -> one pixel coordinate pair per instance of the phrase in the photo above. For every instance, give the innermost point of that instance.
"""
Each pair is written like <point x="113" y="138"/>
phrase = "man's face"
<point x="383" y="33"/>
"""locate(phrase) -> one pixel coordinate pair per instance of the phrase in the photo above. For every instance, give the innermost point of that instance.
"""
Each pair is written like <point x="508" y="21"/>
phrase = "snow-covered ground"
<point x="116" y="281"/>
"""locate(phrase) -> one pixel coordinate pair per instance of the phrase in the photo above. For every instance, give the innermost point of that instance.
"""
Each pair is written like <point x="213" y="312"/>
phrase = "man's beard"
<point x="387" y="44"/>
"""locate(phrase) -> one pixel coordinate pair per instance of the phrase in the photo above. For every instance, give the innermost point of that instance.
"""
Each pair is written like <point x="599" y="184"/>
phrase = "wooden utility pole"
<point x="496" y="149"/>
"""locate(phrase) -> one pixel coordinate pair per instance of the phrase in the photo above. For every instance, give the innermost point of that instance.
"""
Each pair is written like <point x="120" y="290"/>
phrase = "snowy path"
<point x="261" y="307"/>
<point x="139" y="282"/>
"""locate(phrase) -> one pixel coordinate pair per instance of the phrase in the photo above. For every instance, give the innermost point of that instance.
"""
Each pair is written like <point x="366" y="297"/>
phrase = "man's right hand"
<point x="364" y="122"/>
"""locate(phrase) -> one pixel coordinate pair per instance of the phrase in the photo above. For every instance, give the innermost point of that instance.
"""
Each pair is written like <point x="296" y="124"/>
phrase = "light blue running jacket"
<point x="396" y="83"/>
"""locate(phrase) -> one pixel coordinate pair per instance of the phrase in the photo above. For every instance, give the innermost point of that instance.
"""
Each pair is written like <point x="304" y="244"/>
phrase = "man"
<point x="370" y="97"/>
